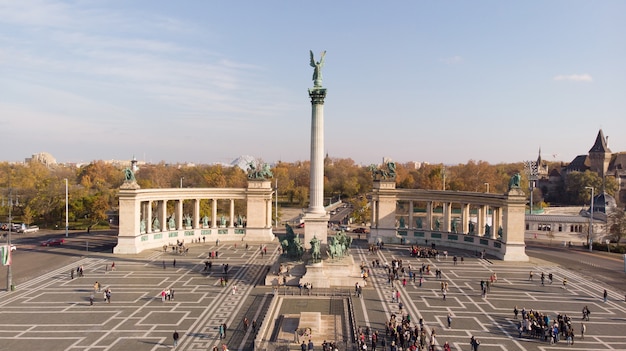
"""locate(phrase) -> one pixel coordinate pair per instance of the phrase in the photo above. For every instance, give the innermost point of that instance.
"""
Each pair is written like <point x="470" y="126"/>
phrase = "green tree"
<point x="576" y="183"/>
<point x="95" y="207"/>
<point x="28" y="215"/>
<point x="617" y="224"/>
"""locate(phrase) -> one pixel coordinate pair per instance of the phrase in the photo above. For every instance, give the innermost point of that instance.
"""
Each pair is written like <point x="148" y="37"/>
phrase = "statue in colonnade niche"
<point x="454" y="225"/>
<point x="419" y="223"/>
<point x="401" y="222"/>
<point x="471" y="227"/>
<point x="187" y="221"/>
<point x="487" y="229"/>
<point x="171" y="223"/>
<point x="142" y="226"/>
<point x="156" y="225"/>
<point x="205" y="221"/>
<point x="437" y="224"/>
<point x="222" y="221"/>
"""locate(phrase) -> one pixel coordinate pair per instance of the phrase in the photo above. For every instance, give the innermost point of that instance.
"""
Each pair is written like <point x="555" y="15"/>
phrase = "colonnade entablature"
<point x="155" y="218"/>
<point x="485" y="222"/>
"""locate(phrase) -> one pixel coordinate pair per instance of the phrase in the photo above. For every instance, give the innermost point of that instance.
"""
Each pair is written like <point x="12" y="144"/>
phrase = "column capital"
<point x="317" y="96"/>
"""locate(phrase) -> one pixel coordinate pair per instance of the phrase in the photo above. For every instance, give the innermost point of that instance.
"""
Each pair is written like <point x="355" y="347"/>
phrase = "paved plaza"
<point x="53" y="311"/>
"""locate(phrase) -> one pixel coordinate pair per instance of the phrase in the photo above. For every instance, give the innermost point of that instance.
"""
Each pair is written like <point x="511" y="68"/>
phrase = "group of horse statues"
<point x="259" y="173"/>
<point x="337" y="246"/>
<point x="387" y="172"/>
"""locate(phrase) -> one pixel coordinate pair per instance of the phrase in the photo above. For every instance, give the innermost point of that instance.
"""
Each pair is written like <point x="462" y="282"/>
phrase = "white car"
<point x="13" y="247"/>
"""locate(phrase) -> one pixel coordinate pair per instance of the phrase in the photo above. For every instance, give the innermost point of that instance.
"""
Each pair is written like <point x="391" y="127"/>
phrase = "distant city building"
<point x="243" y="162"/>
<point x="42" y="157"/>
<point x="600" y="159"/>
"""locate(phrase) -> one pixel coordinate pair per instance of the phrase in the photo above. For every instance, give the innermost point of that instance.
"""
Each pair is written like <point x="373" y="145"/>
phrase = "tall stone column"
<point x="315" y="217"/>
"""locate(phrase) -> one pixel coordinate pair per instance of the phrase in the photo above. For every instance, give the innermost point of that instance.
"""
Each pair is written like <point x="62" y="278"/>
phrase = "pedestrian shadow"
<point x="199" y="335"/>
<point x="156" y="343"/>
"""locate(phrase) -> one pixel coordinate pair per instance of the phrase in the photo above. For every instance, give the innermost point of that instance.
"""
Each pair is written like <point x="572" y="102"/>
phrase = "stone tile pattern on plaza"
<point x="52" y="312"/>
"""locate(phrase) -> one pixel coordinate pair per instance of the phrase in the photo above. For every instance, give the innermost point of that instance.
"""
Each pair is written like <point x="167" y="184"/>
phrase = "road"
<point x="597" y="266"/>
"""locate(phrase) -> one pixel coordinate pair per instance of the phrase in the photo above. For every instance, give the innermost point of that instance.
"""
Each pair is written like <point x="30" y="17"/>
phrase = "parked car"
<point x="53" y="242"/>
<point x="345" y="228"/>
<point x="13" y="247"/>
<point x="31" y="229"/>
<point x="359" y="230"/>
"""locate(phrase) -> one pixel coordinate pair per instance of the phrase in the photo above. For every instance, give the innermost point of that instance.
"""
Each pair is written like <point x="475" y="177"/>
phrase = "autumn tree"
<point x="576" y="184"/>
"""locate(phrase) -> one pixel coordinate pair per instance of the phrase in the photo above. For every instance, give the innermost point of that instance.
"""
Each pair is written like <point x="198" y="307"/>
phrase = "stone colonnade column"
<point x="374" y="214"/>
<point x="196" y="213"/>
<point x="162" y="215"/>
<point x="232" y="213"/>
<point x="447" y="215"/>
<point x="179" y="214"/>
<point x="410" y="224"/>
<point x="214" y="213"/>
<point x="465" y="218"/>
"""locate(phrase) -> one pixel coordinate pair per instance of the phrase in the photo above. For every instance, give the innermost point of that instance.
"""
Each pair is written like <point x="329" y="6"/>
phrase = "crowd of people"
<point x="538" y="325"/>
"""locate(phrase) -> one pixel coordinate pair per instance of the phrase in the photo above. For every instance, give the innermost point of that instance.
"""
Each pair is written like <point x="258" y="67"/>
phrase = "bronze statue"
<point x="383" y="173"/>
<point x="263" y="173"/>
<point x="515" y="181"/>
<point x="317" y="72"/>
<point x="129" y="175"/>
<point x="292" y="247"/>
<point x="315" y="249"/>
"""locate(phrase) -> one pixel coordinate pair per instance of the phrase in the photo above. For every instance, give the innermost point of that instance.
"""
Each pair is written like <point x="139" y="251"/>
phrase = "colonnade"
<point x="493" y="223"/>
<point x="145" y="221"/>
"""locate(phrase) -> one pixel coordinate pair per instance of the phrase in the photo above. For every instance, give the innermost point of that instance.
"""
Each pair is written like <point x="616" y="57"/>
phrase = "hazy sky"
<point x="207" y="81"/>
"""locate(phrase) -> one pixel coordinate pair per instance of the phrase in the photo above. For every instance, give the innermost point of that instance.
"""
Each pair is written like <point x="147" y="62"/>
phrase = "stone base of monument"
<point x="292" y="320"/>
<point x="341" y="272"/>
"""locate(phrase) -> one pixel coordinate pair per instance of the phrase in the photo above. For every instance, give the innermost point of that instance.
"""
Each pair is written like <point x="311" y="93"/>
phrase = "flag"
<point x="5" y="255"/>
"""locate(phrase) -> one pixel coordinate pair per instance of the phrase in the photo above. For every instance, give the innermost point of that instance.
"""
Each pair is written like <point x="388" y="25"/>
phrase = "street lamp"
<point x="531" y="170"/>
<point x="9" y="263"/>
<point x="181" y="181"/>
<point x="590" y="239"/>
<point x="66" y="211"/>
<point x="487" y="184"/>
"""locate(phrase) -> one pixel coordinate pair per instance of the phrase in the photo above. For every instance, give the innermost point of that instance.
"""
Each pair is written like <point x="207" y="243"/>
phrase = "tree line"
<point x="92" y="188"/>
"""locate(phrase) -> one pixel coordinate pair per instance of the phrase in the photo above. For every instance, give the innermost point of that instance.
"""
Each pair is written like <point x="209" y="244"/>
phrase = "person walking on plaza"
<point x="605" y="295"/>
<point x="583" y="329"/>
<point x="449" y="320"/>
<point x="530" y="275"/>
<point x="175" y="336"/>
<point x="474" y="343"/>
<point x="222" y="331"/>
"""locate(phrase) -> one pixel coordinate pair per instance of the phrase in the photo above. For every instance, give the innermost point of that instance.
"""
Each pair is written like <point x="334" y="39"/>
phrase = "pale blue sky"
<point x="207" y="81"/>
